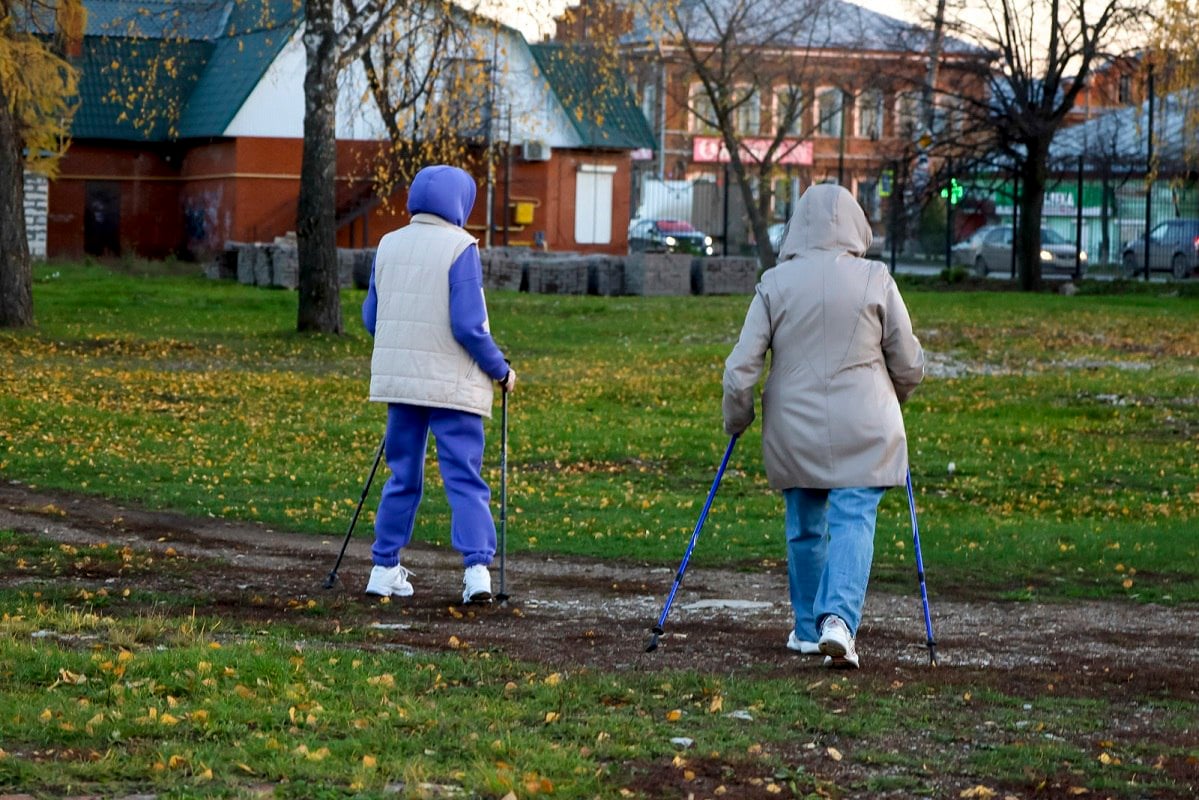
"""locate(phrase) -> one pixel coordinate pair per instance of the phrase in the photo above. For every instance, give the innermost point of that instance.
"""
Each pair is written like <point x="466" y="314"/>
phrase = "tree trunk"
<point x="316" y="231"/>
<point x="757" y="217"/>
<point x="16" y="280"/>
<point x="1033" y="180"/>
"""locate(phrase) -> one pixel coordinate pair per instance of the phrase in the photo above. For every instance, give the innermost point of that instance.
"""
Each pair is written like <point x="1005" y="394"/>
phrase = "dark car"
<point x="668" y="236"/>
<point x="1173" y="246"/>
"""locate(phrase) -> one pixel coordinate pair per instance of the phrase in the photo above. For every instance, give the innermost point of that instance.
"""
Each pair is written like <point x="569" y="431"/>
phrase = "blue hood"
<point x="448" y="192"/>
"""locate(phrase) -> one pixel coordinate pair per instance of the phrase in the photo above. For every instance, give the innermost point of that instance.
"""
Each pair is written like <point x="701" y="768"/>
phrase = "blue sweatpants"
<point x="459" y="439"/>
<point x="830" y="547"/>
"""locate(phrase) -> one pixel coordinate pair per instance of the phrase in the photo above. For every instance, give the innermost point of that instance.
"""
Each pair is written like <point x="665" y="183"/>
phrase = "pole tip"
<point x="331" y="581"/>
<point x="652" y="644"/>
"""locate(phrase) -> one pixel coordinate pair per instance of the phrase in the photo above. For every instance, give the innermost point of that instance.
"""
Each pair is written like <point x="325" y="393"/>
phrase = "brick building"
<point x="190" y="124"/>
<point x="858" y="75"/>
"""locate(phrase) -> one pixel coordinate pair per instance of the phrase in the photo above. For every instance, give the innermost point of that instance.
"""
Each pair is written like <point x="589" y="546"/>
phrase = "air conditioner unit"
<point x="533" y="150"/>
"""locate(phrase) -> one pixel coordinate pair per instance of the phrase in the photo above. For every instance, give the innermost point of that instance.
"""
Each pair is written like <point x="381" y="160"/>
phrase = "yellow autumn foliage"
<point x="40" y="86"/>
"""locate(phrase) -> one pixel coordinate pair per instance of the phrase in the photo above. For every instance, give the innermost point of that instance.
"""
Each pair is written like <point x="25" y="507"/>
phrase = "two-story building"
<point x="857" y="77"/>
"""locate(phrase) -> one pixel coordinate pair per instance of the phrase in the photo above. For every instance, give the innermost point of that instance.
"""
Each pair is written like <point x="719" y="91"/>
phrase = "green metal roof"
<point x="605" y="115"/>
<point x="183" y="69"/>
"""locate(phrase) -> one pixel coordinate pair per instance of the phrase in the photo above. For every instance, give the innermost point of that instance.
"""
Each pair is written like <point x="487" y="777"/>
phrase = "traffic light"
<point x="953" y="192"/>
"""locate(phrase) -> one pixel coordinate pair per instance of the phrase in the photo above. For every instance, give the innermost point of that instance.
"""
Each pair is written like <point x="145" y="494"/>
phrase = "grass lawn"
<point x="1072" y="424"/>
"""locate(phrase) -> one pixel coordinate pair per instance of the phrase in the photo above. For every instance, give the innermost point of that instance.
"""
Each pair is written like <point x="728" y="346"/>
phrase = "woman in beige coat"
<point x="843" y="358"/>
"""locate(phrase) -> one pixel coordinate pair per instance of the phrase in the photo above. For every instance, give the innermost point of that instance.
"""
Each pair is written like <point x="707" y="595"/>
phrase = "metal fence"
<point x="1103" y="211"/>
<point x="1090" y="207"/>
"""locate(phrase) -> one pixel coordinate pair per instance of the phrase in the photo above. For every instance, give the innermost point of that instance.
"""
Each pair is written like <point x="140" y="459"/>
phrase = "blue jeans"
<point x="830" y="546"/>
<point x="459" y="437"/>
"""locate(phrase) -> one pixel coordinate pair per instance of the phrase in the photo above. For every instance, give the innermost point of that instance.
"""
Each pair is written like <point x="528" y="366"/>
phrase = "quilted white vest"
<point x="416" y="359"/>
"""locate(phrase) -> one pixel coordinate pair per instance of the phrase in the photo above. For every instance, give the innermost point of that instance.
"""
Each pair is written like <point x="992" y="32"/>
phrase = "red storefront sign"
<point x="711" y="149"/>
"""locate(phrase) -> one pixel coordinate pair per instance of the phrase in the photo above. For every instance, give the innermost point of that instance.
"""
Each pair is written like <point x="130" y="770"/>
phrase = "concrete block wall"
<point x="516" y="269"/>
<point x="655" y="274"/>
<point x="37" y="208"/>
<point x="724" y="275"/>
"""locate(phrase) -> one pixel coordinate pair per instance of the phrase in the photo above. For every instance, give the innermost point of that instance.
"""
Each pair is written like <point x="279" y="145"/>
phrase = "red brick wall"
<point x="189" y="201"/>
<point x="151" y="224"/>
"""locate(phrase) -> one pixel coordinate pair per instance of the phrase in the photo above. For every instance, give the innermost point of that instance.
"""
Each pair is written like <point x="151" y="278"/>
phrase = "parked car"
<point x="1173" y="246"/>
<point x="965" y="252"/>
<point x="668" y="236"/>
<point x="1057" y="252"/>
<point x="877" y="249"/>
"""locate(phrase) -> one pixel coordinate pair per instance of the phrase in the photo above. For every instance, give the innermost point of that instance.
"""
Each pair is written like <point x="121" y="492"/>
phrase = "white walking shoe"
<point x="389" y="581"/>
<point x="837" y="644"/>
<point x="802" y="646"/>
<point x="476" y="585"/>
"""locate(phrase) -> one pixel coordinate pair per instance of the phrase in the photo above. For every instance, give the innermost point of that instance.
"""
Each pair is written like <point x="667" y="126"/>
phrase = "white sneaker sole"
<point x="376" y="591"/>
<point x="802" y="646"/>
<point x="833" y="648"/>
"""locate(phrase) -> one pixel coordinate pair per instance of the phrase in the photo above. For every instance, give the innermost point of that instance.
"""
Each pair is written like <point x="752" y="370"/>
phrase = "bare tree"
<point x="1041" y="54"/>
<point x="432" y="80"/>
<point x="745" y="71"/>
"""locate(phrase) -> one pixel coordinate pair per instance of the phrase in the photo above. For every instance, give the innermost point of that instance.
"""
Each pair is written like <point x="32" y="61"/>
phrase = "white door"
<point x="593" y="204"/>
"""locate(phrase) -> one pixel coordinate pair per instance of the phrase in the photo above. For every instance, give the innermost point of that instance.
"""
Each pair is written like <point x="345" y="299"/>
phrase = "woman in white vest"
<point x="843" y="358"/>
<point x="433" y="364"/>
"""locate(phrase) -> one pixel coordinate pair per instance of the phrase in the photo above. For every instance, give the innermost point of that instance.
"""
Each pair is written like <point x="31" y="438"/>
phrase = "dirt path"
<point x="574" y="613"/>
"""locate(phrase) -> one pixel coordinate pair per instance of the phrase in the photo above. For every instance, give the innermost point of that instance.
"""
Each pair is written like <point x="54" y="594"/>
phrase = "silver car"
<point x="1057" y="253"/>
<point x="965" y="252"/>
<point x="1173" y="246"/>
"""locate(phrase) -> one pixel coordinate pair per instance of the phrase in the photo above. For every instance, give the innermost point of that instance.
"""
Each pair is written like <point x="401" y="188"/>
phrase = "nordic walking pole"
<point x="332" y="579"/>
<point x="658" y="630"/>
<point x="928" y="621"/>
<point x="502" y="597"/>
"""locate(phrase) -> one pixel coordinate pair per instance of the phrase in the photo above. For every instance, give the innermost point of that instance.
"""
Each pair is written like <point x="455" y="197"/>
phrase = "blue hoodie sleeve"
<point x="468" y="314"/>
<point x="370" y="306"/>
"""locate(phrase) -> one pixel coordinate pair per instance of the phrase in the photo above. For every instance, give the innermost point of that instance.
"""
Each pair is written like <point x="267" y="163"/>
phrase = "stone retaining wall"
<point x="516" y="269"/>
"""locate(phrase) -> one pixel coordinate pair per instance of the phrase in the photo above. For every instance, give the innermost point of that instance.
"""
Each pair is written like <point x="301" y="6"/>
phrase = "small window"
<point x="747" y="116"/>
<point x="907" y="115"/>
<point x="829" y="110"/>
<point x="649" y="103"/>
<point x="702" y="114"/>
<point x="1125" y="89"/>
<point x="870" y="114"/>
<point x="789" y="110"/>
<point x="868" y="199"/>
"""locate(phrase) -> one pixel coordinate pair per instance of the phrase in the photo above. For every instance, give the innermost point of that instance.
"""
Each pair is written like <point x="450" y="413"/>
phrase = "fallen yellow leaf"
<point x="834" y="754"/>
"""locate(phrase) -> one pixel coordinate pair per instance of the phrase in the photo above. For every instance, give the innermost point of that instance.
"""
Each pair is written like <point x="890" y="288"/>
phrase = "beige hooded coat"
<point x="843" y="355"/>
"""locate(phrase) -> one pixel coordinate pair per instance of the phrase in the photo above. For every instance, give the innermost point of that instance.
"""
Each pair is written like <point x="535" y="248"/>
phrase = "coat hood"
<point x="827" y="217"/>
<point x="448" y="192"/>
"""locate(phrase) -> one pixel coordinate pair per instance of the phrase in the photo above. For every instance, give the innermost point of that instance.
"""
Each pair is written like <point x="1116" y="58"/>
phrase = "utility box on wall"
<point x="522" y="213"/>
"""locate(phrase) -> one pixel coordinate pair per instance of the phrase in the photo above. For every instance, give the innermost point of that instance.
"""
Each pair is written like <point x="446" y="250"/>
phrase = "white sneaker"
<point x="388" y="581"/>
<point x="802" y="646"/>
<point x="837" y="644"/>
<point x="476" y="585"/>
